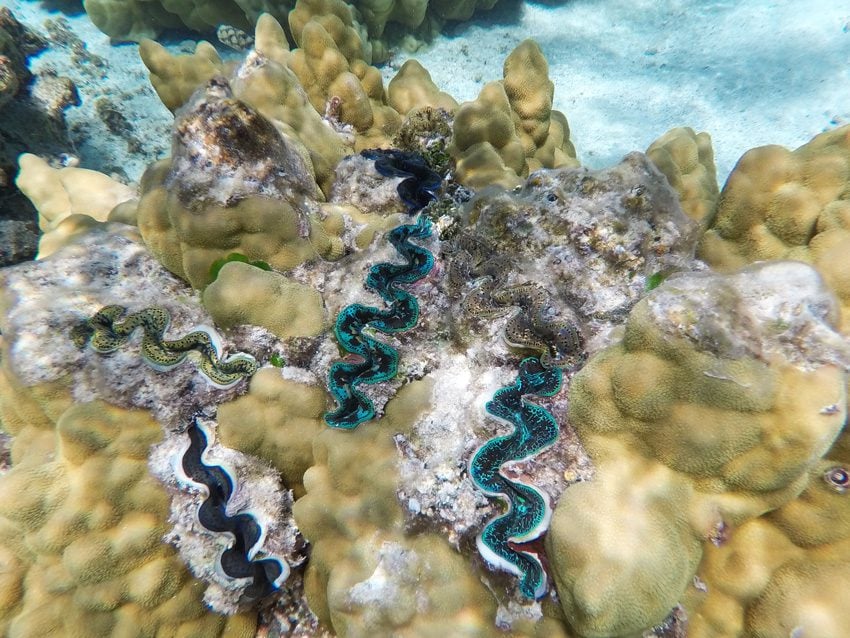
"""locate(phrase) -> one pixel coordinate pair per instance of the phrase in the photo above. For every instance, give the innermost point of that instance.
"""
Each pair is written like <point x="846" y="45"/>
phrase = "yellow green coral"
<point x="200" y="205"/>
<point x="359" y="578"/>
<point x="511" y="128"/>
<point x="696" y="421"/>
<point x="781" y="204"/>
<point x="687" y="160"/>
<point x="81" y="538"/>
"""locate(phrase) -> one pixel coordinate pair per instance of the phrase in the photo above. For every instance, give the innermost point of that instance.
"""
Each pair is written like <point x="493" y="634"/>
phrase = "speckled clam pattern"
<point x="105" y="332"/>
<point x="532" y="324"/>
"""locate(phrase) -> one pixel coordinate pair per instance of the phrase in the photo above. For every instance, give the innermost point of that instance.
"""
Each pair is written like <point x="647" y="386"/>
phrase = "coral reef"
<point x="687" y="160"/>
<point x="80" y="531"/>
<point x="350" y="23"/>
<point x="780" y="570"/>
<point x="631" y="441"/>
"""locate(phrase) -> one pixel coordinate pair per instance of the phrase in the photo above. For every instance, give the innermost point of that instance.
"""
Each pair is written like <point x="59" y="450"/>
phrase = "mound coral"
<point x="687" y="161"/>
<point x="80" y="536"/>
<point x="348" y="22"/>
<point x="234" y="183"/>
<point x="781" y="204"/>
<point x="711" y="411"/>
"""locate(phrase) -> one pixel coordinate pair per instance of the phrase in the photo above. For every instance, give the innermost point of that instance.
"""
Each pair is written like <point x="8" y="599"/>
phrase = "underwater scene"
<point x="424" y="318"/>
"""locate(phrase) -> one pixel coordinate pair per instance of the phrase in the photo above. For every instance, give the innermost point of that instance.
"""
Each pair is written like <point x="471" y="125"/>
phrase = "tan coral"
<point x="485" y="144"/>
<point x="698" y="421"/>
<point x="544" y="133"/>
<point x="687" y="160"/>
<point x="81" y="538"/>
<point x="326" y="74"/>
<point x="244" y="294"/>
<point x="337" y="19"/>
<point x="511" y="129"/>
<point x="366" y="575"/>
<point x="412" y="88"/>
<point x="176" y="77"/>
<point x="781" y="204"/>
<point x="787" y="569"/>
<point x="257" y="424"/>
<point x="58" y="193"/>
<point x="235" y="184"/>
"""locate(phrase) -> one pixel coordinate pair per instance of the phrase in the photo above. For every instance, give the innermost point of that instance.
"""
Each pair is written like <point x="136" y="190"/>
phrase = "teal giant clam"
<point x="529" y="510"/>
<point x="376" y="361"/>
<point x="106" y="332"/>
<point x="371" y="361"/>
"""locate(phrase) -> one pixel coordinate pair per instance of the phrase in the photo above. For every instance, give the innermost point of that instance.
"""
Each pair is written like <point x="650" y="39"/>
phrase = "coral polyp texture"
<point x="781" y="204"/>
<point x="698" y="422"/>
<point x="528" y="509"/>
<point x="585" y="430"/>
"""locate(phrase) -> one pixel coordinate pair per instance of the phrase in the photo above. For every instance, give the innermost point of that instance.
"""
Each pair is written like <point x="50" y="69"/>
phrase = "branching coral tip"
<point x="529" y="510"/>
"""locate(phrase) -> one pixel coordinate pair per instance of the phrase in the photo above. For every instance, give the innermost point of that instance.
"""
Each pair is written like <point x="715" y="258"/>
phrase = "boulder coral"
<point x="719" y="401"/>
<point x="786" y="569"/>
<point x="509" y="131"/>
<point x="58" y="193"/>
<point x="233" y="183"/>
<point x="781" y="204"/>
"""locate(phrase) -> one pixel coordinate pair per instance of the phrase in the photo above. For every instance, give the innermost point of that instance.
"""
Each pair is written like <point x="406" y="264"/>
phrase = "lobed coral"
<point x="358" y="25"/>
<point x="698" y="421"/>
<point x="781" y="204"/>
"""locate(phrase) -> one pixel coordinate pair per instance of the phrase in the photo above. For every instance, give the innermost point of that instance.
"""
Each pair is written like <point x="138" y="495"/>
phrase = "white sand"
<point x="748" y="72"/>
